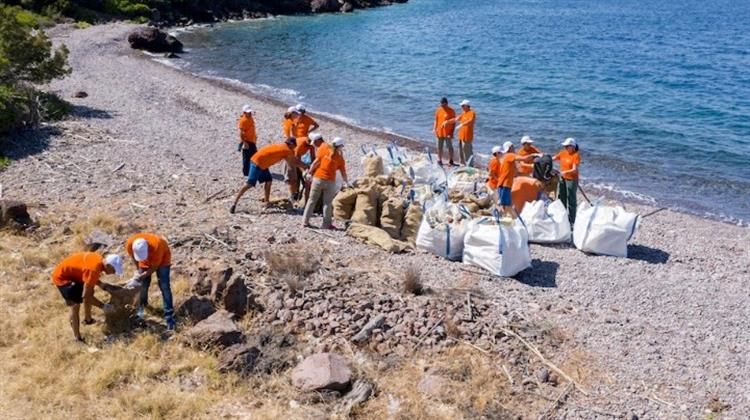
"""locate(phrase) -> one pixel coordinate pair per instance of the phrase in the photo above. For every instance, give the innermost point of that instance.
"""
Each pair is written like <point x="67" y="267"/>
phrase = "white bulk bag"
<point x="442" y="230"/>
<point x="467" y="179"/>
<point x="604" y="230"/>
<point x="426" y="171"/>
<point x="546" y="224"/>
<point x="501" y="250"/>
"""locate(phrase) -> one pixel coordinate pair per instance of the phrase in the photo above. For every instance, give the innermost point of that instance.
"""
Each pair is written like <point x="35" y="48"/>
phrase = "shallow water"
<point x="658" y="95"/>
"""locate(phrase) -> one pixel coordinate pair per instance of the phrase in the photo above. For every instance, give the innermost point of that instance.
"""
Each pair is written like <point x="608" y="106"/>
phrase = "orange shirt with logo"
<point x="302" y="126"/>
<point x="81" y="267"/>
<point x="567" y="161"/>
<point x="466" y="132"/>
<point x="524" y="167"/>
<point x="288" y="127"/>
<point x="270" y="155"/>
<point x="441" y="115"/>
<point x="507" y="170"/>
<point x="494" y="169"/>
<point x="247" y="128"/>
<point x="329" y="164"/>
<point x="159" y="254"/>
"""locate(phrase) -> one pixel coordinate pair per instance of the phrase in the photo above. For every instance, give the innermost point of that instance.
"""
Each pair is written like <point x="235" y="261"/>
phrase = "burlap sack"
<point x="455" y="196"/>
<point x="376" y="236"/>
<point x="392" y="216"/>
<point x="471" y="206"/>
<point x="124" y="302"/>
<point x="366" y="207"/>
<point x="343" y="204"/>
<point x="412" y="220"/>
<point x="373" y="165"/>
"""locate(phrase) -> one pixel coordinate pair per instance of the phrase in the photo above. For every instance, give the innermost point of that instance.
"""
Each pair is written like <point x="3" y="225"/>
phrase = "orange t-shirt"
<point x="302" y="126"/>
<point x="323" y="149"/>
<point x="524" y="167"/>
<point x="567" y="160"/>
<point x="247" y="128"/>
<point x="159" y="254"/>
<point x="494" y="169"/>
<point x="441" y="115"/>
<point x="270" y="155"/>
<point x="525" y="190"/>
<point x="507" y="170"/>
<point x="329" y="164"/>
<point x="466" y="132"/>
<point x="81" y="267"/>
<point x="303" y="147"/>
<point x="288" y="127"/>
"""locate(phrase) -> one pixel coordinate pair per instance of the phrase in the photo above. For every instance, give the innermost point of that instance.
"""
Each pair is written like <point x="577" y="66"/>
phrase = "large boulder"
<point x="196" y="309"/>
<point x="218" y="330"/>
<point x="98" y="240"/>
<point x="14" y="214"/>
<point x="211" y="278"/>
<point x="235" y="296"/>
<point x="322" y="371"/>
<point x="153" y="40"/>
<point x="322" y="6"/>
<point x="240" y="358"/>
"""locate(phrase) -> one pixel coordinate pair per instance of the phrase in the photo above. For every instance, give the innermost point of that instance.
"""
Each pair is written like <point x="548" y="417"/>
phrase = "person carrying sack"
<point x="323" y="171"/>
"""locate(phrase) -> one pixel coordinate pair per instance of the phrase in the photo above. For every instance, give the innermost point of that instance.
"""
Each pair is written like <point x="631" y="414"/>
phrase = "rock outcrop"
<point x="218" y="330"/>
<point x="153" y="40"/>
<point x="14" y="214"/>
<point x="322" y="371"/>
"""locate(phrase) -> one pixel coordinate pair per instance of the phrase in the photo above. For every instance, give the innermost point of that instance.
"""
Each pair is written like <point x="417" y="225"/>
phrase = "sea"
<point x="656" y="93"/>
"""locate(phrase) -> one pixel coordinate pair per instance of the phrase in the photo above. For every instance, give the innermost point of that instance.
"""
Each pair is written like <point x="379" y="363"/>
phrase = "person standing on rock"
<point x="443" y="129"/>
<point x="323" y="171"/>
<point x="465" y="132"/>
<point x="151" y="254"/>
<point x="76" y="277"/>
<point x="527" y="148"/>
<point x="266" y="157"/>
<point x="248" y="138"/>
<point x="570" y="161"/>
<point x="304" y="124"/>
<point x="290" y="116"/>
<point x="505" y="174"/>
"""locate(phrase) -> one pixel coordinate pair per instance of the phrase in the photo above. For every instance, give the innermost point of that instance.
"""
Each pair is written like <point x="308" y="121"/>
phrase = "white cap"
<point x="570" y="141"/>
<point x="465" y="102"/>
<point x="291" y="109"/>
<point x="506" y="146"/>
<point x="115" y="261"/>
<point x="338" y="141"/>
<point x="140" y="249"/>
<point x="247" y="109"/>
<point x="315" y="136"/>
<point x="526" y="139"/>
<point x="496" y="150"/>
<point x="299" y="108"/>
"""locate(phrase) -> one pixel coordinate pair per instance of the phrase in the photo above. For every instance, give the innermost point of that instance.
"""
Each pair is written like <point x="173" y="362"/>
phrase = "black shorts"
<point x="72" y="292"/>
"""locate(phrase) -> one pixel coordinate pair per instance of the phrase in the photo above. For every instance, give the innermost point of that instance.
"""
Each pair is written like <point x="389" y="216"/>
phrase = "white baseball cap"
<point x="140" y="249"/>
<point x="526" y="139"/>
<point x="291" y="109"/>
<point x="315" y="136"/>
<point x="115" y="261"/>
<point x="570" y="141"/>
<point x="465" y="102"/>
<point x="337" y="142"/>
<point x="506" y="146"/>
<point x="496" y="150"/>
<point x="299" y="108"/>
<point x="247" y="109"/>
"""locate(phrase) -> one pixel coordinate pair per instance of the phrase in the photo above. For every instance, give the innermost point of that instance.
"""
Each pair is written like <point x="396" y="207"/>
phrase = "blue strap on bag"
<point x="447" y="240"/>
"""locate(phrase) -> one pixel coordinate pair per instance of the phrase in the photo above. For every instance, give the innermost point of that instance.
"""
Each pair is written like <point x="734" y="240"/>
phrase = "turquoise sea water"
<point x="657" y="93"/>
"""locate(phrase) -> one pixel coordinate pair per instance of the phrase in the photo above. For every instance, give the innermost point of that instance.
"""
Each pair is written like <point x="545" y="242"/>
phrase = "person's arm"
<point x="343" y="174"/>
<point x="89" y="300"/>
<point x="146" y="274"/>
<point x="314" y="166"/>
<point x="527" y="158"/>
<point x="314" y="126"/>
<point x="296" y="162"/>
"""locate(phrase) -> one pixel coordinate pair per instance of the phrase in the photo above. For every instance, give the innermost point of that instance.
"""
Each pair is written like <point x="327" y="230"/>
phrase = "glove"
<point x="133" y="283"/>
<point x="108" y="308"/>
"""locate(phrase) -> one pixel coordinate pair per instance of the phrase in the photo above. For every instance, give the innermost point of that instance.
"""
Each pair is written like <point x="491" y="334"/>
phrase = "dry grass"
<point x="412" y="281"/>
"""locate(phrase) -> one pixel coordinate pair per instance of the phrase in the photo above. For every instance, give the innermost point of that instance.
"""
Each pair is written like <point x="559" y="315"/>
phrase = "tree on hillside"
<point x="26" y="59"/>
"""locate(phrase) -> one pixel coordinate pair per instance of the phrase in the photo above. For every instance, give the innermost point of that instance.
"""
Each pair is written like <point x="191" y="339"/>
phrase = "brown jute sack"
<point x="412" y="220"/>
<point x="366" y="207"/>
<point x="373" y="166"/>
<point x="392" y="216"/>
<point x="376" y="236"/>
<point x="343" y="204"/>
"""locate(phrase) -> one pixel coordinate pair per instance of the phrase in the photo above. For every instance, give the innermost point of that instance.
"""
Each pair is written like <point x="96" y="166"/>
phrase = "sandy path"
<point x="669" y="324"/>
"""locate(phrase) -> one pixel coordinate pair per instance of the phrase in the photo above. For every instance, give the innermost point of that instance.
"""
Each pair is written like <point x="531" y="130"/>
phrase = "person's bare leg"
<point x="450" y="150"/>
<point x="440" y="151"/>
<point x="267" y="191"/>
<point x="75" y="324"/>
<point x="242" y="191"/>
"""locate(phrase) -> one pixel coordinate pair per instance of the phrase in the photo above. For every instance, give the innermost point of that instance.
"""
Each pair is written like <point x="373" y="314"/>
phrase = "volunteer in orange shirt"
<point x="505" y="175"/>
<point x="324" y="182"/>
<point x="570" y="161"/>
<point x="248" y="138"/>
<point x="288" y="125"/>
<point x="443" y="129"/>
<point x="75" y="278"/>
<point x="493" y="168"/>
<point x="527" y="148"/>
<point x="525" y="190"/>
<point x="465" y="132"/>
<point x="304" y="124"/>
<point x="151" y="254"/>
<point x="306" y="151"/>
<point x="266" y="157"/>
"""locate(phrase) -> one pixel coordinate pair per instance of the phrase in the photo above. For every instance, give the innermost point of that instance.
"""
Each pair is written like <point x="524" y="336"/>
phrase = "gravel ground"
<point x="664" y="331"/>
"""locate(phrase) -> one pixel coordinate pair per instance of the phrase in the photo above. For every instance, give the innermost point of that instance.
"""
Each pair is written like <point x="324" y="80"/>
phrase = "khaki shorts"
<point x="445" y="140"/>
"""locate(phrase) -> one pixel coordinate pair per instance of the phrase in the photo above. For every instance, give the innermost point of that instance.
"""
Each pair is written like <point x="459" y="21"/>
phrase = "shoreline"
<point x="609" y="191"/>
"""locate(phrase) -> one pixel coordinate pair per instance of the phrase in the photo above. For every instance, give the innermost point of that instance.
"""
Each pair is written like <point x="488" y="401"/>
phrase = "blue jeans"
<point x="162" y="276"/>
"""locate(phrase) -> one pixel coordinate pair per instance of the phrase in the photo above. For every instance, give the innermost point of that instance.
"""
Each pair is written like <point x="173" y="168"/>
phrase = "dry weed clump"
<point x="291" y="267"/>
<point x="412" y="281"/>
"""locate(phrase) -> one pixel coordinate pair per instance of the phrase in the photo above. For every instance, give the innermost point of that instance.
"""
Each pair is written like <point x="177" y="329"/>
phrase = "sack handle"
<point x="447" y="240"/>
<point x="429" y="154"/>
<point x="462" y="208"/>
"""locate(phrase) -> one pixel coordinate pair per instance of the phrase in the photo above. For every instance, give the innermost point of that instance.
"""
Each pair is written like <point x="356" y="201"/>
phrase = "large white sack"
<point x="546" y="223"/>
<point x="426" y="171"/>
<point x="442" y="230"/>
<point x="467" y="179"/>
<point x="501" y="250"/>
<point x="604" y="230"/>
